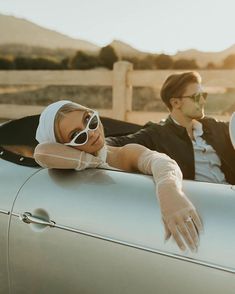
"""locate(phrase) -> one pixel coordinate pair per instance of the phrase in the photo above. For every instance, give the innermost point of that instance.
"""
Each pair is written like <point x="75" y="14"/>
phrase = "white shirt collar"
<point x="197" y="127"/>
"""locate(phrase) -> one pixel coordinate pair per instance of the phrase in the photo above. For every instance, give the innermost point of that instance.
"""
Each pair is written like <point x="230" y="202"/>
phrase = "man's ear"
<point x="175" y="103"/>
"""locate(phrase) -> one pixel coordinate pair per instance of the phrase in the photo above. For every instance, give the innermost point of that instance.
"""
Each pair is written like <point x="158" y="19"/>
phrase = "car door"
<point x="100" y="231"/>
<point x="12" y="177"/>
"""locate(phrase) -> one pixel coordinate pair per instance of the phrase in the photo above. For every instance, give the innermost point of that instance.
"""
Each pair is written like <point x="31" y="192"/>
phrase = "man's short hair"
<point x="175" y="85"/>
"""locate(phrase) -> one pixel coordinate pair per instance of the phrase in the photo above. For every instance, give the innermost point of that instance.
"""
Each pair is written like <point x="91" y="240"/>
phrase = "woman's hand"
<point x="180" y="217"/>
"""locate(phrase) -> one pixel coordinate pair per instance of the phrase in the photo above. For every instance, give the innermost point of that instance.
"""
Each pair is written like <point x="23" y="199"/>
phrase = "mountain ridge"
<point x="22" y="31"/>
<point x="25" y="32"/>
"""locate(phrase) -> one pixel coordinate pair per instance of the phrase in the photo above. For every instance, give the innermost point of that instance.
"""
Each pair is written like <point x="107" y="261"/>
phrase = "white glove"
<point x="87" y="160"/>
<point x="56" y="155"/>
<point x="178" y="213"/>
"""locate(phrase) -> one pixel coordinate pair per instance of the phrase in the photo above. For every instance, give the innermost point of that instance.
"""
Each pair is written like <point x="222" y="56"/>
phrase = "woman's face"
<point x="76" y="121"/>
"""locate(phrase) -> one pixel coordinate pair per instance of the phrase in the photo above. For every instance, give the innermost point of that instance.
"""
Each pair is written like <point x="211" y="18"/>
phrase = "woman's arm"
<point x="179" y="214"/>
<point x="56" y="155"/>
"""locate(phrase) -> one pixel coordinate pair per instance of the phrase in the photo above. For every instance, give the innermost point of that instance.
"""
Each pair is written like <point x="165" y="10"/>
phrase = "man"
<point x="201" y="146"/>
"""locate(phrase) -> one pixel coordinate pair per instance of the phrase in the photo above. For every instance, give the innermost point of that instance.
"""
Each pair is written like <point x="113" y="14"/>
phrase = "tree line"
<point x="106" y="58"/>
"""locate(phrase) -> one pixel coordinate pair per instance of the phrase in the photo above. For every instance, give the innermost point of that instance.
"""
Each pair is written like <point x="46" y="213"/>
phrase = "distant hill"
<point x="18" y="36"/>
<point x="20" y="31"/>
<point x="20" y="50"/>
<point x="23" y="36"/>
<point x="124" y="50"/>
<point x="203" y="58"/>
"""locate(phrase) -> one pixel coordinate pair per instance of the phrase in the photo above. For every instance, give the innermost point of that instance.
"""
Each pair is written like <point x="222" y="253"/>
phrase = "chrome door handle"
<point x="27" y="218"/>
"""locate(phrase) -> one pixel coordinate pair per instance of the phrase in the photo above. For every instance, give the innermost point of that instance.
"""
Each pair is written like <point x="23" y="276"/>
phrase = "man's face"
<point x="192" y="108"/>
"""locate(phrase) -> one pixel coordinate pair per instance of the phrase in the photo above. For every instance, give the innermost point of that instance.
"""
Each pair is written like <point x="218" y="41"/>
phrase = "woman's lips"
<point x="96" y="140"/>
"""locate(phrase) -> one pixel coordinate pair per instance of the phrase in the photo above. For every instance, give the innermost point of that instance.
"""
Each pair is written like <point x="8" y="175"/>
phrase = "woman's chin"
<point x="96" y="147"/>
<point x="99" y="143"/>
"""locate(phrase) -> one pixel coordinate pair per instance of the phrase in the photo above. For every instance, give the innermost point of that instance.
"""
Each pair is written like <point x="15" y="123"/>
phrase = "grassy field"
<point x="23" y="100"/>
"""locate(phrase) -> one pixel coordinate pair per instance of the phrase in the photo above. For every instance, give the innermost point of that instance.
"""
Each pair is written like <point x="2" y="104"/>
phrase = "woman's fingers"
<point x="189" y="233"/>
<point x="184" y="230"/>
<point x="176" y="235"/>
<point x="196" y="220"/>
<point x="167" y="231"/>
<point x="193" y="233"/>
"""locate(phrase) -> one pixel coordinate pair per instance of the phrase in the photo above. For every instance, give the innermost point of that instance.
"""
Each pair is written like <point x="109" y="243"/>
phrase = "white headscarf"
<point x="45" y="130"/>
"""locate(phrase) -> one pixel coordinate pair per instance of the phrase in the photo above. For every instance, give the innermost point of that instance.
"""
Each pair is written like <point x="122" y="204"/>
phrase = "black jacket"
<point x="173" y="140"/>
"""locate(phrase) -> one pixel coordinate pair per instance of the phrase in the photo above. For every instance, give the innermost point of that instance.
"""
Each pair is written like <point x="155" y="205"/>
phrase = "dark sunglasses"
<point x="81" y="138"/>
<point x="197" y="96"/>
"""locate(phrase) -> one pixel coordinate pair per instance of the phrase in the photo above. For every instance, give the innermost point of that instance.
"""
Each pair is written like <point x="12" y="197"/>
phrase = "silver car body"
<point x="100" y="231"/>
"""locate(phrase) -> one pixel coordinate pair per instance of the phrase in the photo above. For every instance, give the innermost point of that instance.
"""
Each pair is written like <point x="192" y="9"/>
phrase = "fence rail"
<point x="122" y="79"/>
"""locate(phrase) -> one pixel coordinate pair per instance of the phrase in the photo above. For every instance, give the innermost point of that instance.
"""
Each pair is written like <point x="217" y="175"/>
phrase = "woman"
<point x="71" y="136"/>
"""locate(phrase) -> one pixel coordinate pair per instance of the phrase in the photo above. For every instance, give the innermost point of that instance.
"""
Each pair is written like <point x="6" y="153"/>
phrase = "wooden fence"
<point x="122" y="79"/>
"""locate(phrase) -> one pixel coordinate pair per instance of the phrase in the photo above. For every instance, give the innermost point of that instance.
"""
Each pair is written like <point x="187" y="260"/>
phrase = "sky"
<point x="156" y="26"/>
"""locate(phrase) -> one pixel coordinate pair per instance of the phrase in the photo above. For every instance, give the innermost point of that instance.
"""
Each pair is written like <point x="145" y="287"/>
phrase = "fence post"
<point x="122" y="92"/>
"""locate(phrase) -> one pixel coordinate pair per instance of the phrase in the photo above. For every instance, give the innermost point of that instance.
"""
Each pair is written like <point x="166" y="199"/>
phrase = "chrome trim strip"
<point x="175" y="256"/>
<point x="15" y="214"/>
<point x="4" y="211"/>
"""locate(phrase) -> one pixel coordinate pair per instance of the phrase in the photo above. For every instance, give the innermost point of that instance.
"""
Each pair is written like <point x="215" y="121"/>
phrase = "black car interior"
<point x="17" y="137"/>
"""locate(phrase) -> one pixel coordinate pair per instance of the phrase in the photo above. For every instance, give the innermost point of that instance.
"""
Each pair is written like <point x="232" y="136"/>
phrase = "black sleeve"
<point x="114" y="127"/>
<point x="225" y="129"/>
<point x="143" y="137"/>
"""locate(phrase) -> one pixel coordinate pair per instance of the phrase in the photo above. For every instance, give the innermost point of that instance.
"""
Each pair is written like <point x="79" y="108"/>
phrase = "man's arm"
<point x="142" y="137"/>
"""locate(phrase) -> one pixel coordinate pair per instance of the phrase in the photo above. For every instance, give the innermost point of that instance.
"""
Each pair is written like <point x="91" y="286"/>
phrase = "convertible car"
<point x="99" y="231"/>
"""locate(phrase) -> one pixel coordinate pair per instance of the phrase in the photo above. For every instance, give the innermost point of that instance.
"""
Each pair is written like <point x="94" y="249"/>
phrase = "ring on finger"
<point x="188" y="219"/>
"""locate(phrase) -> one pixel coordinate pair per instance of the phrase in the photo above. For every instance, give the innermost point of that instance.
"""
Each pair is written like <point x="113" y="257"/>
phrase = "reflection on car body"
<point x="99" y="231"/>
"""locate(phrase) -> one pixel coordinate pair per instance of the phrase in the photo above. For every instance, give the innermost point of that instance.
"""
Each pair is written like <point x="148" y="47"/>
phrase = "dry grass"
<point x="17" y="111"/>
<point x="17" y="89"/>
<point x="19" y="101"/>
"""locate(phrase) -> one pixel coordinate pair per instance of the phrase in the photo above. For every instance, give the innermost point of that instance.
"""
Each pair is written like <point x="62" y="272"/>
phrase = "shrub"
<point x="108" y="56"/>
<point x="6" y="63"/>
